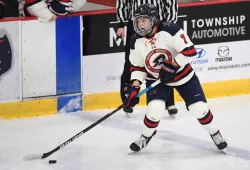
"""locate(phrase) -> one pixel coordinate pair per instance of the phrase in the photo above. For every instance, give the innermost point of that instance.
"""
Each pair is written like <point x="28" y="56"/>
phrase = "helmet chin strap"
<point x="153" y="32"/>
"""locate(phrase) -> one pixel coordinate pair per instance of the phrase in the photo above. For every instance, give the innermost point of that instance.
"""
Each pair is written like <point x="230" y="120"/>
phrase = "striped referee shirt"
<point x="167" y="9"/>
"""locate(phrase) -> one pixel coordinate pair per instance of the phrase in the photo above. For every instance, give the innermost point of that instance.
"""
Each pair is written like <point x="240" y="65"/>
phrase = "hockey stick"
<point x="45" y="155"/>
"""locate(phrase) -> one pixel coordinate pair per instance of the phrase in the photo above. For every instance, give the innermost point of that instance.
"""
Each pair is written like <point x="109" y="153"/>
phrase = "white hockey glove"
<point x="61" y="7"/>
<point x="41" y="11"/>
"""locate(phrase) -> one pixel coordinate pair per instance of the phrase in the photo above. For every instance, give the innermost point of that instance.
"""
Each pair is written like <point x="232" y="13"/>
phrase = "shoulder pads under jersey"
<point x="168" y="27"/>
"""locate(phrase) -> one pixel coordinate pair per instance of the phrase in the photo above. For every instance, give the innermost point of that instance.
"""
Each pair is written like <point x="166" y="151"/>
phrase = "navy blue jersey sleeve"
<point x="133" y="40"/>
<point x="169" y="27"/>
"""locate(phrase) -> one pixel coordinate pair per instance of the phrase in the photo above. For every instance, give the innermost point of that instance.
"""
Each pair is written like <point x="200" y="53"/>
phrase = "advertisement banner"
<point x="10" y="83"/>
<point x="99" y="35"/>
<point x="204" y="24"/>
<point x="102" y="73"/>
<point x="220" y="34"/>
<point x="222" y="61"/>
<point x="217" y="23"/>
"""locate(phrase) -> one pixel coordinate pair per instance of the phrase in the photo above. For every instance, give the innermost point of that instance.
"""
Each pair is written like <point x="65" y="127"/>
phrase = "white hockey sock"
<point x="208" y="123"/>
<point x="204" y="116"/>
<point x="155" y="110"/>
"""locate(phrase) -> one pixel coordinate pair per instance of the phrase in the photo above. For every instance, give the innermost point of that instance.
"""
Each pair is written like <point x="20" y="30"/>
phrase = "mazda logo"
<point x="200" y="52"/>
<point x="223" y="51"/>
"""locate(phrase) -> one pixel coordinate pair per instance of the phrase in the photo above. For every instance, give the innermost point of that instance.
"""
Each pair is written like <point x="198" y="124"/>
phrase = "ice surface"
<point x="180" y="144"/>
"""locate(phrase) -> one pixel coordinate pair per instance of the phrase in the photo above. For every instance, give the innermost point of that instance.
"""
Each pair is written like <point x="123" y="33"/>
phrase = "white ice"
<point x="180" y="144"/>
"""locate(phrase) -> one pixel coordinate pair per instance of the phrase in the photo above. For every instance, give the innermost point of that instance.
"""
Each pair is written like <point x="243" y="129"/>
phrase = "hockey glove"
<point x="61" y="7"/>
<point x="129" y="99"/>
<point x="167" y="72"/>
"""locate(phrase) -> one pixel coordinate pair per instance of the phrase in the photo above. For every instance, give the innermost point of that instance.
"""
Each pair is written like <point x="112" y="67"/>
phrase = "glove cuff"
<point x="170" y="68"/>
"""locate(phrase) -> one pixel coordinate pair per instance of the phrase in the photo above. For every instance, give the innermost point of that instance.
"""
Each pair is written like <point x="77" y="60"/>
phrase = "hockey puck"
<point x="52" y="161"/>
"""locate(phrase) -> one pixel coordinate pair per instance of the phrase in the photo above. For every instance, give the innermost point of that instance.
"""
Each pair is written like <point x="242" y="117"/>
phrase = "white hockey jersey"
<point x="169" y="43"/>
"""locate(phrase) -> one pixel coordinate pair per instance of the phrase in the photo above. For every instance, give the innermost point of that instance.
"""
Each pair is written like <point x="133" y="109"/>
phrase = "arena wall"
<point x="75" y="63"/>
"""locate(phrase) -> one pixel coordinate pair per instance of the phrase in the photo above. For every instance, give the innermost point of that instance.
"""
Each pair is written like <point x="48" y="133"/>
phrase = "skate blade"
<point x="127" y="115"/>
<point x="133" y="152"/>
<point x="173" y="116"/>
<point x="224" y="151"/>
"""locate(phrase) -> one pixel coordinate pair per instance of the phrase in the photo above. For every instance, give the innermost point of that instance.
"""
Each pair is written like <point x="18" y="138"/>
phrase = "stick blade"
<point x="32" y="157"/>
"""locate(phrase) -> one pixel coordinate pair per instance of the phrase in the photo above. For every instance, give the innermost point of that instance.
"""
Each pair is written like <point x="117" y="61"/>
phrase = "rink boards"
<point x="75" y="63"/>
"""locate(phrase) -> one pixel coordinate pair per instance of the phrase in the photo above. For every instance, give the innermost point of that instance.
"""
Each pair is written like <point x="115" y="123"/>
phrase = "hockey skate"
<point x="141" y="143"/>
<point x="128" y="110"/>
<point x="172" y="111"/>
<point x="219" y="141"/>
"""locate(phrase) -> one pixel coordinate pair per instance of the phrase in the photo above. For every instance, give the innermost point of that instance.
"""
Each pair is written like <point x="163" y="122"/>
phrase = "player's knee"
<point x="199" y="109"/>
<point x="202" y="112"/>
<point x="155" y="110"/>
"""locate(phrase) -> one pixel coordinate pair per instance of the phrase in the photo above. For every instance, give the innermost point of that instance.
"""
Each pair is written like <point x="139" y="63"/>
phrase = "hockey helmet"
<point x="145" y="18"/>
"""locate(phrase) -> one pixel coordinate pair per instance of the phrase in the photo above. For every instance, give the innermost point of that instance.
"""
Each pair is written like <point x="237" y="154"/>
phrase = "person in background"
<point x="125" y="9"/>
<point x="46" y="10"/>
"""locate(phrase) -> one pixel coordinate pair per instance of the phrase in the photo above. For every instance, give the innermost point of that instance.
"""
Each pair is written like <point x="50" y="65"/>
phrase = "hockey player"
<point x="162" y="50"/>
<point x="46" y="10"/>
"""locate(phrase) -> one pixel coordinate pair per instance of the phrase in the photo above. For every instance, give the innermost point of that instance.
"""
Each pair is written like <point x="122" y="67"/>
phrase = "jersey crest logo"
<point x="155" y="58"/>
<point x="159" y="60"/>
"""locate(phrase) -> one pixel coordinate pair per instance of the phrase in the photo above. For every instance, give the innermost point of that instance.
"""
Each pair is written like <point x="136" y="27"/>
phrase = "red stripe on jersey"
<point x="150" y="123"/>
<point x="133" y="94"/>
<point x="64" y="0"/>
<point x="182" y="73"/>
<point x="133" y="68"/>
<point x="207" y="120"/>
<point x="189" y="52"/>
<point x="30" y="1"/>
<point x="150" y="76"/>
